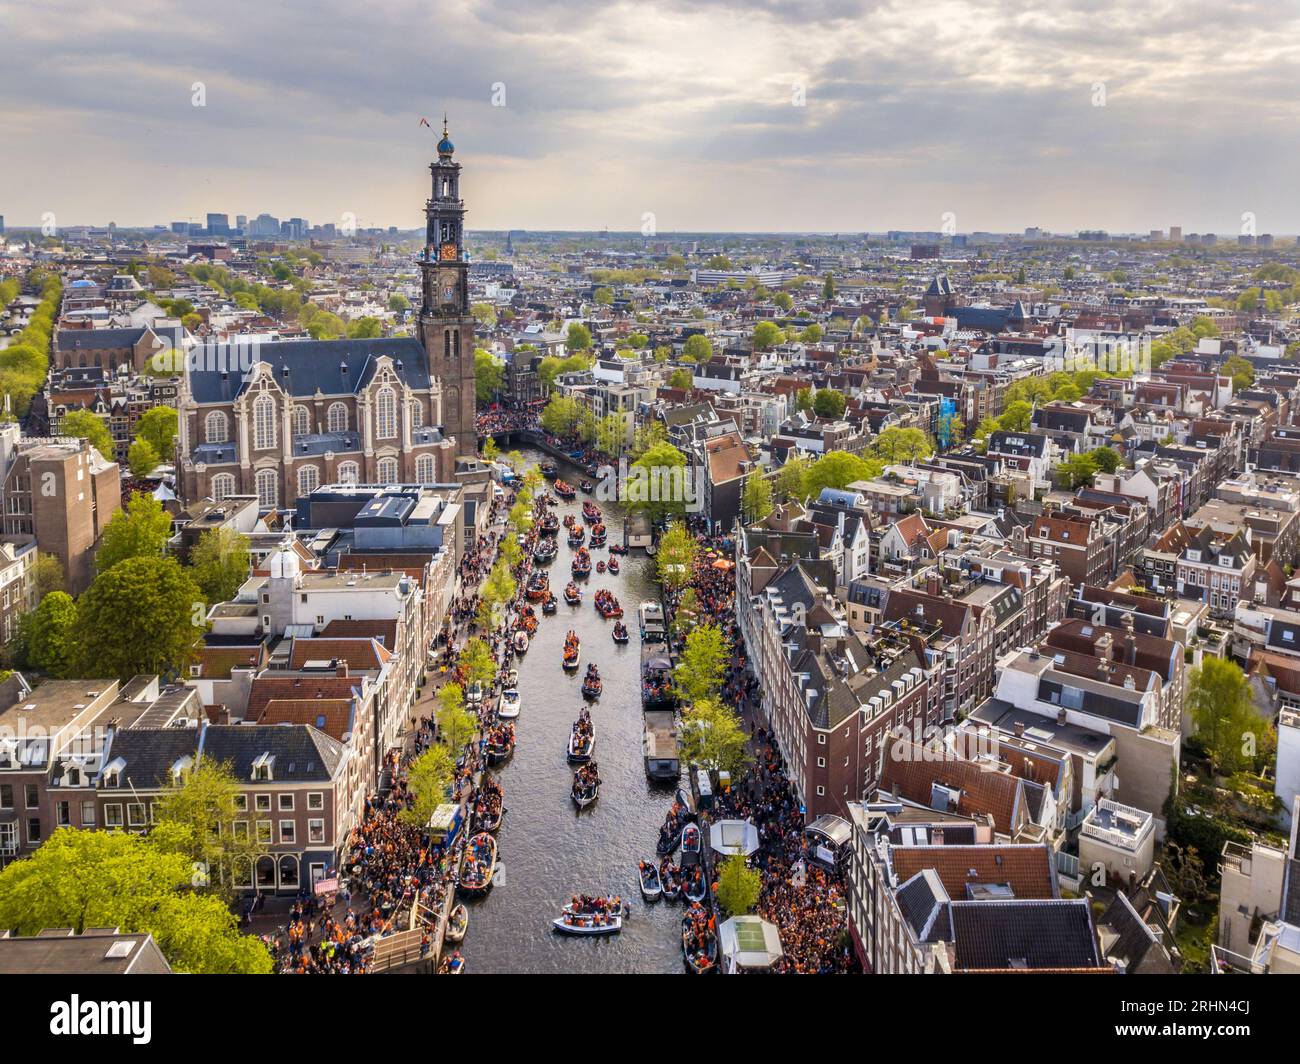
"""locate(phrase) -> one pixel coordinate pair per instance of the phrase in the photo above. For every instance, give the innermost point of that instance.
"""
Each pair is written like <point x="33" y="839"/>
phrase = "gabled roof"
<point x="1015" y="935"/>
<point x="301" y="753"/>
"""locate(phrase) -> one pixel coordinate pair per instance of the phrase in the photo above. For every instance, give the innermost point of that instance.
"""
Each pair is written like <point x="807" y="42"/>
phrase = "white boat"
<point x="508" y="707"/>
<point x="587" y="925"/>
<point x="521" y="642"/>
<point x="584" y="796"/>
<point x="651" y="888"/>
<point x="691" y="839"/>
<point x="474" y="693"/>
<point x="512" y="678"/>
<point x="457" y="923"/>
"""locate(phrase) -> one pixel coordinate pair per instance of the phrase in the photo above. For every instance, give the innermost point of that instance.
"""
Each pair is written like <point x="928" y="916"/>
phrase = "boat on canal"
<point x="565" y="490"/>
<point x="592" y="916"/>
<point x="591" y="683"/>
<point x="548" y="470"/>
<point x="620" y="633"/>
<point x="670" y="879"/>
<point x="590" y="513"/>
<point x="650" y="615"/>
<point x="545" y="552"/>
<point x="453" y="965"/>
<point x="694" y="885"/>
<point x="576" y="536"/>
<point x="607" y="605"/>
<point x="656" y="680"/>
<point x="572" y="594"/>
<point x="691" y="840"/>
<point x="539" y="585"/>
<point x="500" y="743"/>
<point x="651" y="888"/>
<point x="586" y="785"/>
<point x="457" y="923"/>
<point x="480" y="865"/>
<point x="581" y="563"/>
<point x="582" y="739"/>
<point x="699" y="941"/>
<point x="510" y="704"/>
<point x="586" y="486"/>
<point x="599" y="535"/>
<point x="613" y="566"/>
<point x="521" y="642"/>
<point x="550" y="604"/>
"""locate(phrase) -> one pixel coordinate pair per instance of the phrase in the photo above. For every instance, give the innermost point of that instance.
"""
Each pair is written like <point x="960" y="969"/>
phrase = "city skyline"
<point x="841" y="118"/>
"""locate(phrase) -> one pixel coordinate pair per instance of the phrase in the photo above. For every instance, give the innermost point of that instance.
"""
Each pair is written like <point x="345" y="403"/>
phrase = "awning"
<point x="733" y="836"/>
<point x="749" y="942"/>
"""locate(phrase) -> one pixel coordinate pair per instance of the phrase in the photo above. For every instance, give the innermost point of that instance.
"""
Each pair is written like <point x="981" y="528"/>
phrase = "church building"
<point x="280" y="419"/>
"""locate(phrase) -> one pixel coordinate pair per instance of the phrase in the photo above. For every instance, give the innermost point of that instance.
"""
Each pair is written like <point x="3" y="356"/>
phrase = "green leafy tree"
<point x="47" y="573"/>
<point x="139" y="531"/>
<point x="429" y="777"/>
<point x="675" y="559"/>
<point x="839" y="469"/>
<point x="697" y="349"/>
<point x="158" y="427"/>
<point x="50" y="634"/>
<point x="84" y="425"/>
<point x="398" y="303"/>
<point x="80" y="879"/>
<point x="646" y="436"/>
<point x="142" y="615"/>
<point x="681" y="378"/>
<point x="756" y="498"/>
<point x="578" y="338"/>
<point x="489" y="375"/>
<point x="1106" y="459"/>
<point x="142" y="458"/>
<point x="829" y="403"/>
<point x="219" y="563"/>
<point x="766" y="336"/>
<point x="202" y="807"/>
<point x="1219" y="700"/>
<point x="657" y="482"/>
<point x="828" y="288"/>
<point x="1016" y="417"/>
<point x="477" y="659"/>
<point x="560" y="415"/>
<point x="702" y="664"/>
<point x="903" y="445"/>
<point x="456" y="724"/>
<point x="792" y="478"/>
<point x="713" y="737"/>
<point x="1241" y="372"/>
<point x="738" y="886"/>
<point x="365" y="328"/>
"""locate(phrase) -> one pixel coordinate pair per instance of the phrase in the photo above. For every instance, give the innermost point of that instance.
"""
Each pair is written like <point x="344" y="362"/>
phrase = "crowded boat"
<point x="582" y="739"/>
<point x="670" y="879"/>
<point x="590" y="513"/>
<point x="457" y="923"/>
<point x="488" y="804"/>
<point x="479" y="865"/>
<point x="620" y="632"/>
<point x="539" y="586"/>
<point x="700" y="940"/>
<point x="651" y="888"/>
<point x="613" y="566"/>
<point x="591" y="683"/>
<point x="572" y="650"/>
<point x="591" y="916"/>
<point x="599" y="534"/>
<point x="581" y="562"/>
<point x="572" y="593"/>
<point x="586" y="785"/>
<point x="607" y="605"/>
<point x="564" y="489"/>
<point x="500" y="742"/>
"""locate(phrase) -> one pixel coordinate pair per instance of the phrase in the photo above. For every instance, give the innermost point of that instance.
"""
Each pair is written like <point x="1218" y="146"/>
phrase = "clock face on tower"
<point x="447" y="251"/>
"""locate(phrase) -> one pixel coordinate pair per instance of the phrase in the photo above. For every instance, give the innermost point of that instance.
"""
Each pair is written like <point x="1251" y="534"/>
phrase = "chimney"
<point x="934" y="584"/>
<point x="341" y="671"/>
<point x="1130" y="641"/>
<point x="1020" y="728"/>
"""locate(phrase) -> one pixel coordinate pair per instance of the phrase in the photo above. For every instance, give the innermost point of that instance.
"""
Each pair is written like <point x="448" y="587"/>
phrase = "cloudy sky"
<point x="706" y="114"/>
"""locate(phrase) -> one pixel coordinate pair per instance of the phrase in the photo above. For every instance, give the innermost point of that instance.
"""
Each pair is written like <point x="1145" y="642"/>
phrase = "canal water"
<point x="548" y="849"/>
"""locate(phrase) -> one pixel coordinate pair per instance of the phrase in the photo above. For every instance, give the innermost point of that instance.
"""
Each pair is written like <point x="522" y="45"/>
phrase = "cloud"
<point x="686" y="109"/>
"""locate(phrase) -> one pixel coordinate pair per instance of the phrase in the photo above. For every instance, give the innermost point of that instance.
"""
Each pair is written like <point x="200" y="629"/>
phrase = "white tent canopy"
<point x="728" y="837"/>
<point x="749" y="942"/>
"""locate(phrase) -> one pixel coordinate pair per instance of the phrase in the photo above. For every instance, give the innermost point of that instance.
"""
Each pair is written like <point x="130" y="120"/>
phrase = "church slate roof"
<point x="334" y="367"/>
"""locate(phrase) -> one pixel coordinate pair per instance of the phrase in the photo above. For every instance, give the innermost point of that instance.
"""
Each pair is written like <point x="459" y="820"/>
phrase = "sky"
<point x="660" y="116"/>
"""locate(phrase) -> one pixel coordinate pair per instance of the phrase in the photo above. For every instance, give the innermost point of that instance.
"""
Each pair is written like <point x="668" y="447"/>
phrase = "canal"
<point x="548" y="849"/>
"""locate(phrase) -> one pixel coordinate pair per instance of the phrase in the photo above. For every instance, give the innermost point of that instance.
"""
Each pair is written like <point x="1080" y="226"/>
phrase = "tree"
<point x="1016" y="417"/>
<point x="142" y="458"/>
<point x="456" y="725"/>
<point x="829" y="403"/>
<point x="1241" y="372"/>
<point x="398" y="303"/>
<point x="681" y="378"/>
<point x="766" y="336"/>
<point x="756" y="498"/>
<point x="828" y="288"/>
<point x="838" y="469"/>
<point x="1107" y="459"/>
<point x="47" y="574"/>
<point x="1219" y="700"/>
<point x="812" y="334"/>
<point x="702" y="665"/>
<point x="579" y="337"/>
<point x="139" y="531"/>
<point x="697" y="349"/>
<point x="219" y="563"/>
<point x="805" y="400"/>
<point x="560" y="415"/>
<point x="791" y="478"/>
<point x="657" y="482"/>
<point x="676" y="555"/>
<point x="87" y="426"/>
<point x="202" y="808"/>
<point x="80" y="879"/>
<point x="489" y="374"/>
<point x="714" y="738"/>
<point x="142" y="615"/>
<point x="646" y="436"/>
<point x="611" y="434"/>
<point x="365" y="328"/>
<point x="499" y="587"/>
<point x="738" y="886"/>
<point x="904" y="445"/>
<point x="158" y="427"/>
<point x="50" y="634"/>
<point x="429" y="777"/>
<point x="1076" y="470"/>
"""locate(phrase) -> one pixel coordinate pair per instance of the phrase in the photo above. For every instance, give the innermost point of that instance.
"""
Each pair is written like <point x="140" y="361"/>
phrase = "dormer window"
<point x="262" y="768"/>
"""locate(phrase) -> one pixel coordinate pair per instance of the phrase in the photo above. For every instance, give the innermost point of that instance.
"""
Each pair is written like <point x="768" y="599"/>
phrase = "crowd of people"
<point x="517" y="417"/>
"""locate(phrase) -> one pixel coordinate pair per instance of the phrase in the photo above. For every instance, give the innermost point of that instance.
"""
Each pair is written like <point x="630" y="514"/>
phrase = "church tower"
<point x="446" y="324"/>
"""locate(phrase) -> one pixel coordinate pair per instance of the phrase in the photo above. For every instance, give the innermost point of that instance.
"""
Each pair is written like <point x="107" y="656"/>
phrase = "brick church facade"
<point x="278" y="420"/>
